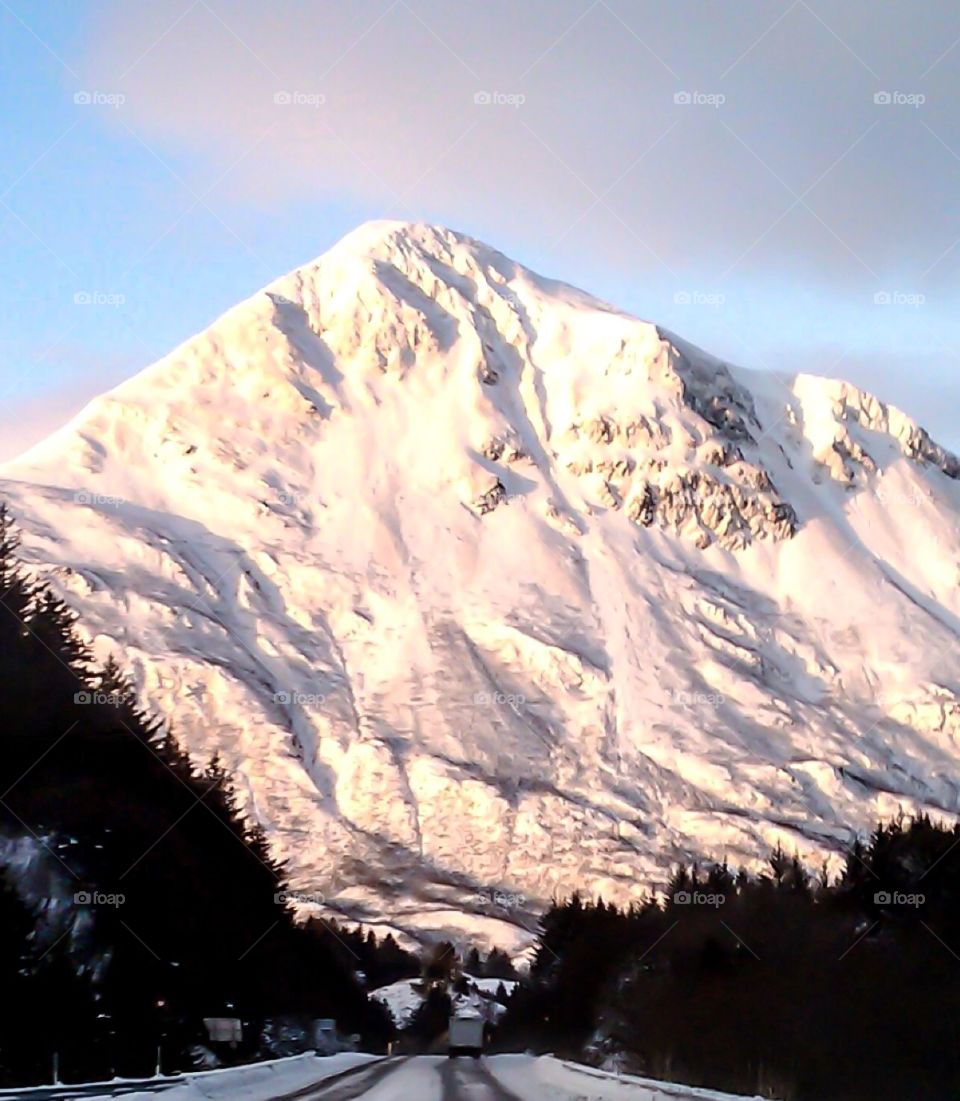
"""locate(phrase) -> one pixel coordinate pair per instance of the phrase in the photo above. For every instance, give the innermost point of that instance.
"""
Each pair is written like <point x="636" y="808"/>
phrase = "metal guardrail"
<point x="117" y="1087"/>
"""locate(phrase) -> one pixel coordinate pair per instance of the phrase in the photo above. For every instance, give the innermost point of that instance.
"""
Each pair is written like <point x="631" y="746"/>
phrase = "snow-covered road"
<point x="497" y="1078"/>
<point x="428" y="1078"/>
<point x="367" y="1078"/>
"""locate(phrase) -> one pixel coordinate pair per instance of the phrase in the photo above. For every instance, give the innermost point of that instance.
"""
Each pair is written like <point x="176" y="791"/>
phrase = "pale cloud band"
<point x="775" y="180"/>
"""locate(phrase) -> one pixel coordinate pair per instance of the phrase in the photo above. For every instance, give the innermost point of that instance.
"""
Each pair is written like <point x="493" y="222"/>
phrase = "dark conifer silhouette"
<point x="169" y="905"/>
<point x="780" y="984"/>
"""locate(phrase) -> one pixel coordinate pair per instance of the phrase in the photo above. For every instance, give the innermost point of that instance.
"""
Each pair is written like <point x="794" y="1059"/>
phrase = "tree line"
<point x="786" y="984"/>
<point x="135" y="899"/>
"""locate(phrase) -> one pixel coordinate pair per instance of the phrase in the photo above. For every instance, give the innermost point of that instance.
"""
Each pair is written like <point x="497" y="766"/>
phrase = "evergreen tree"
<point x="473" y="965"/>
<point x="440" y="965"/>
<point x="176" y="911"/>
<point x="430" y="1020"/>
<point x="499" y="966"/>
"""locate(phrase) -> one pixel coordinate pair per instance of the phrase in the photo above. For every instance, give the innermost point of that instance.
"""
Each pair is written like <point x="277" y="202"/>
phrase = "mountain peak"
<point x="373" y="236"/>
<point x="475" y="582"/>
<point x="401" y="245"/>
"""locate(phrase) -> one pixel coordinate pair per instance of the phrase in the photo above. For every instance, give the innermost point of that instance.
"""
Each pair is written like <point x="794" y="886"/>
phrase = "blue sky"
<point x="733" y="172"/>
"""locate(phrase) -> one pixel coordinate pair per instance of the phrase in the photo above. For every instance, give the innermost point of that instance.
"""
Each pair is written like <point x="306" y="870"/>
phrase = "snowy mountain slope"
<point x="485" y="590"/>
<point x="404" y="997"/>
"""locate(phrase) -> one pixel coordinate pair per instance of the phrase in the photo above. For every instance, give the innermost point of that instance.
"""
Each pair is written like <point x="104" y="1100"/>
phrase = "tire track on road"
<point x="473" y="1081"/>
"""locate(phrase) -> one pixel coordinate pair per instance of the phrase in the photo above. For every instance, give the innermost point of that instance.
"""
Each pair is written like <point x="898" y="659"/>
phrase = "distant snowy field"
<point x="402" y="1000"/>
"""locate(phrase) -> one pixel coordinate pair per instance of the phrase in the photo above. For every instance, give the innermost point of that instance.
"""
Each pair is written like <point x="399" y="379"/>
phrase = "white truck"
<point x="465" y="1036"/>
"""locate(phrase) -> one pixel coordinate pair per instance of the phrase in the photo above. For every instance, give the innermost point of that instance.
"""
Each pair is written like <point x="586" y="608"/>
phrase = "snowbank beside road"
<point x="263" y="1081"/>
<point x="254" y="1082"/>
<point x="559" y="1080"/>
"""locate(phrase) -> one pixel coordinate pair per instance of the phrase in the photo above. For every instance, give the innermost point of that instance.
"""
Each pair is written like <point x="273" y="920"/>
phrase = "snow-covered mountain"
<point x="485" y="590"/>
<point x="405" y="996"/>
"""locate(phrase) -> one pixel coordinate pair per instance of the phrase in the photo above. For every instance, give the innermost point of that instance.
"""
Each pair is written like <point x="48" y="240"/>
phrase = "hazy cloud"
<point x="792" y="160"/>
<point x="707" y="136"/>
